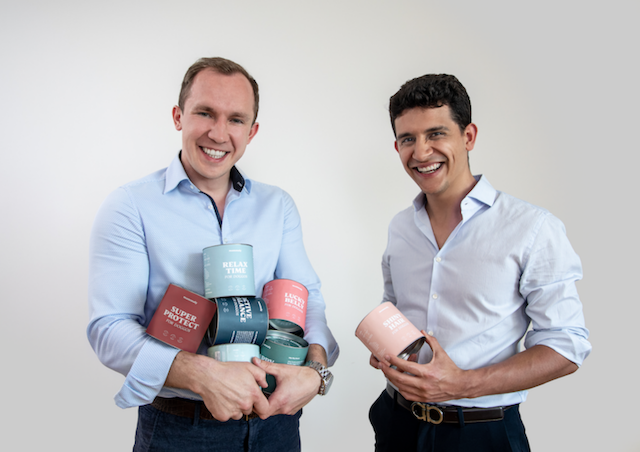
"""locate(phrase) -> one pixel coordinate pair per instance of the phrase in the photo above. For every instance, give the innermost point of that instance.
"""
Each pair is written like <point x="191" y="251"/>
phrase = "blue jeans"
<point x="158" y="431"/>
<point x="397" y="429"/>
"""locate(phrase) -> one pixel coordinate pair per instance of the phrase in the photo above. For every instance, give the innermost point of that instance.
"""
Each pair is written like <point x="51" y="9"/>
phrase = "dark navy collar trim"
<point x="236" y="179"/>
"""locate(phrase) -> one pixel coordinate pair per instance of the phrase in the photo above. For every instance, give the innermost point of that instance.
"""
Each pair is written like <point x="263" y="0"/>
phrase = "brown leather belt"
<point x="437" y="414"/>
<point x="187" y="408"/>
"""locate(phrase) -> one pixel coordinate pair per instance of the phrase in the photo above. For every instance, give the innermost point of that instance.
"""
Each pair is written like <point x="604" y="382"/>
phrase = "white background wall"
<point x="87" y="90"/>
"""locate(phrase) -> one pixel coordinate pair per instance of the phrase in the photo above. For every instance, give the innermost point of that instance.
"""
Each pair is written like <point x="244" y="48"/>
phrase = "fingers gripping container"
<point x="283" y="348"/>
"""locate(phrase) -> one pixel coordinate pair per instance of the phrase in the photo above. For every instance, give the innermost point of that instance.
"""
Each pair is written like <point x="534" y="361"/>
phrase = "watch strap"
<point x="326" y="376"/>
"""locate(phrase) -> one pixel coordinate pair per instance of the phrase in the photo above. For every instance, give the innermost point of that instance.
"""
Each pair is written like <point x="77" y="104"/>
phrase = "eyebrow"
<point x="427" y="132"/>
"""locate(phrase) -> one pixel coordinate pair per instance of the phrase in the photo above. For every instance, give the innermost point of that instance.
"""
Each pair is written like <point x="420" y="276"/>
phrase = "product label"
<point x="394" y="321"/>
<point x="181" y="317"/>
<point x="294" y="301"/>
<point x="243" y="309"/>
<point x="233" y="268"/>
<point x="178" y="318"/>
<point x="228" y="271"/>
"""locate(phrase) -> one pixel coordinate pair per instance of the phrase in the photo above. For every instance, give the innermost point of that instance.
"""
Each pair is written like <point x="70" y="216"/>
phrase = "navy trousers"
<point x="162" y="432"/>
<point x="397" y="430"/>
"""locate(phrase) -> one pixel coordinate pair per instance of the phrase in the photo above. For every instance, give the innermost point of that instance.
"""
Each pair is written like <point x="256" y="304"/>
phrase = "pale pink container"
<point x="287" y="305"/>
<point x="386" y="331"/>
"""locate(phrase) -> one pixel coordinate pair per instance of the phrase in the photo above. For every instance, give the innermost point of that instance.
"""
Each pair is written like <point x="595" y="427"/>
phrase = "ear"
<point x="253" y="131"/>
<point x="177" y="116"/>
<point x="470" y="134"/>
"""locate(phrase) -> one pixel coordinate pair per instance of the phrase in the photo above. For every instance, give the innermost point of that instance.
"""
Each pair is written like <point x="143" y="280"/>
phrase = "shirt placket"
<point x="437" y="289"/>
<point x="209" y="205"/>
<point x="435" y="297"/>
<point x="226" y="229"/>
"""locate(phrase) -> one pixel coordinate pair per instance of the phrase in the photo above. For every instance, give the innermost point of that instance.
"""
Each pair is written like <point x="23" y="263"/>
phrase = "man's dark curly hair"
<point x="432" y="91"/>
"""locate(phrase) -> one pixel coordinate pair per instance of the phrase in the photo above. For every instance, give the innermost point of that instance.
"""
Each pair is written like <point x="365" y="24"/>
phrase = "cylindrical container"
<point x="386" y="331"/>
<point x="283" y="348"/>
<point x="234" y="352"/>
<point x="228" y="271"/>
<point x="181" y="319"/>
<point x="287" y="304"/>
<point x="239" y="320"/>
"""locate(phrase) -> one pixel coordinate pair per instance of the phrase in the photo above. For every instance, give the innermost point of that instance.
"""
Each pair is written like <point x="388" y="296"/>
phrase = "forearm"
<point x="441" y="380"/>
<point x="317" y="353"/>
<point x="204" y="375"/>
<point x="525" y="370"/>
<point x="189" y="370"/>
<point x="228" y="389"/>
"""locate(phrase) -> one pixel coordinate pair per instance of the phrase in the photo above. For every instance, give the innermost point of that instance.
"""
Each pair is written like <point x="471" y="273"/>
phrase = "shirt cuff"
<point x="147" y="375"/>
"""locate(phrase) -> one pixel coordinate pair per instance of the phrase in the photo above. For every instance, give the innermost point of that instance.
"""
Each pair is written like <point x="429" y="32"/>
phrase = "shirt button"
<point x="438" y="259"/>
<point x="430" y="333"/>
<point x="435" y="296"/>
<point x="210" y="207"/>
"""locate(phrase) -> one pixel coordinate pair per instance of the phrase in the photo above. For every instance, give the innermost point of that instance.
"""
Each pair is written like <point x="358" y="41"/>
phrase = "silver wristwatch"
<point x="325" y="375"/>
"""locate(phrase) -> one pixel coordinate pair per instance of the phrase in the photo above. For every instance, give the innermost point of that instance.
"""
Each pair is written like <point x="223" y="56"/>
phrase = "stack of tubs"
<point x="244" y="326"/>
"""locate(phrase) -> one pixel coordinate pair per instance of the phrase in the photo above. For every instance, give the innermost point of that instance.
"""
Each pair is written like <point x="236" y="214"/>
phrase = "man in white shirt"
<point x="473" y="268"/>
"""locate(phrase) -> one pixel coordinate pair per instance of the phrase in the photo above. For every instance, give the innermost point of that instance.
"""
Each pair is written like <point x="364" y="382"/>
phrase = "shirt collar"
<point x="176" y="174"/>
<point x="483" y="192"/>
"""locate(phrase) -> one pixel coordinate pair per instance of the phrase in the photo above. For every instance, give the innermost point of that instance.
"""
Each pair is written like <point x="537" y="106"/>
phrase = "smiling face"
<point x="433" y="151"/>
<point x="216" y="125"/>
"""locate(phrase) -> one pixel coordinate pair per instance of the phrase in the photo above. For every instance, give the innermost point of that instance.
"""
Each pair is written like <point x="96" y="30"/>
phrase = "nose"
<point x="218" y="131"/>
<point x="422" y="150"/>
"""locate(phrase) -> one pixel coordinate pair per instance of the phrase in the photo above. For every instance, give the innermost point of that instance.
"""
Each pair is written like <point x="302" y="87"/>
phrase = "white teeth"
<point x="213" y="153"/>
<point x="430" y="168"/>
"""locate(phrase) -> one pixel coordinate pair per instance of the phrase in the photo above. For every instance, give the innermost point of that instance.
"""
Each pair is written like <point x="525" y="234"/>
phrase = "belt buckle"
<point x="248" y="417"/>
<point x="423" y="412"/>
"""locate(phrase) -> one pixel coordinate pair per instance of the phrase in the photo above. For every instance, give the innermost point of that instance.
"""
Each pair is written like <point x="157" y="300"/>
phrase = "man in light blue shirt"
<point x="473" y="268"/>
<point x="150" y="233"/>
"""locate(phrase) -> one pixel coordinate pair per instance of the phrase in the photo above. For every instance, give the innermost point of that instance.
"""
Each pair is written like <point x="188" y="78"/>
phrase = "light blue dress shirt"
<point x="150" y="233"/>
<point x="507" y="266"/>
